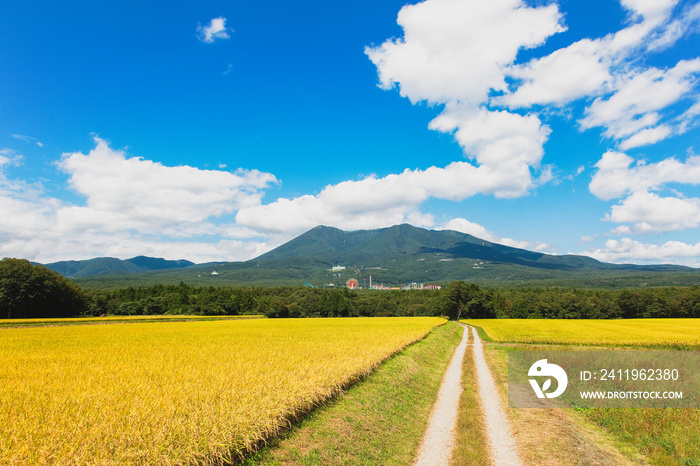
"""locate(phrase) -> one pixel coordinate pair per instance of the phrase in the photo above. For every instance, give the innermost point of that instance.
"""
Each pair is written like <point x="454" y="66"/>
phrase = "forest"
<point x="456" y="300"/>
<point x="28" y="290"/>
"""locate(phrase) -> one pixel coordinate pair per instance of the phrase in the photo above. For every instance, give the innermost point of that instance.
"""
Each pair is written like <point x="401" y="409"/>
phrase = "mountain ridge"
<point x="110" y="265"/>
<point x="407" y="239"/>
<point x="395" y="256"/>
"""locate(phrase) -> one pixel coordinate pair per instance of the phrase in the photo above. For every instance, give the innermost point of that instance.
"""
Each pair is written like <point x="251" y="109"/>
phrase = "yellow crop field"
<point x="177" y="392"/>
<point x="676" y="333"/>
<point x="113" y="319"/>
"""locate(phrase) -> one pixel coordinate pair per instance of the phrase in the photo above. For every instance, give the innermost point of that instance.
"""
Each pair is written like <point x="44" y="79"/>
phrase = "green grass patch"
<point x="379" y="421"/>
<point x="665" y="436"/>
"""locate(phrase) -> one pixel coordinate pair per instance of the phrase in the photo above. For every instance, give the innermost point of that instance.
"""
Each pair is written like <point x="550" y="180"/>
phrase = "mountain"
<point x="400" y="255"/>
<point x="112" y="266"/>
<point x="331" y="245"/>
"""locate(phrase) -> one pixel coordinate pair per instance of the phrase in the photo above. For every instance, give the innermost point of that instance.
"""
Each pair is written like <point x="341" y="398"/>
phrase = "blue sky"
<point x="218" y="130"/>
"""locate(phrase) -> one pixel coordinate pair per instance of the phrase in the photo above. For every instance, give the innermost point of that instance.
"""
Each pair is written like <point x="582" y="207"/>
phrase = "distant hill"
<point x="397" y="256"/>
<point x="112" y="266"/>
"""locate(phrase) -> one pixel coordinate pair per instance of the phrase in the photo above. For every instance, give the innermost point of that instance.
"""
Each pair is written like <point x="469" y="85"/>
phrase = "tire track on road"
<point x="501" y="442"/>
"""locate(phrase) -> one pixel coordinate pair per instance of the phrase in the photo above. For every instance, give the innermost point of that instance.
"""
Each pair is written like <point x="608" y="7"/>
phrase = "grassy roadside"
<point x="471" y="443"/>
<point x="377" y="422"/>
<point x="558" y="437"/>
<point x="661" y="436"/>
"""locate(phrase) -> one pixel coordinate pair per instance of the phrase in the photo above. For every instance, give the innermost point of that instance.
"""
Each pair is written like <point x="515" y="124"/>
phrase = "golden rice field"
<point x="674" y="333"/>
<point x="177" y="392"/>
<point x="114" y="319"/>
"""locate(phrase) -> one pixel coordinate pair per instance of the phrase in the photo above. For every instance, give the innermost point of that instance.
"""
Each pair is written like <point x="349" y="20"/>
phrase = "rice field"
<point x="662" y="333"/>
<point x="115" y="320"/>
<point x="200" y="392"/>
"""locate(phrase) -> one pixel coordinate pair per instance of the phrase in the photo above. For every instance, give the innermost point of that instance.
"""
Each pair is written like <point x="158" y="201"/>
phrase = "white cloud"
<point x="9" y="157"/>
<point x="379" y="202"/>
<point x="368" y="203"/>
<point x="687" y="21"/>
<point x="27" y="139"/>
<point x="216" y="29"/>
<point x="631" y="98"/>
<point x="650" y="213"/>
<point x="628" y="250"/>
<point x="641" y="210"/>
<point x="587" y="239"/>
<point x="505" y="144"/>
<point x="593" y="66"/>
<point x="655" y="11"/>
<point x="132" y="206"/>
<point x="129" y="192"/>
<point x="616" y="176"/>
<point x="465" y="226"/>
<point x="633" y="110"/>
<point x="455" y="50"/>
<point x="647" y="136"/>
<point x="577" y="71"/>
<point x="453" y="53"/>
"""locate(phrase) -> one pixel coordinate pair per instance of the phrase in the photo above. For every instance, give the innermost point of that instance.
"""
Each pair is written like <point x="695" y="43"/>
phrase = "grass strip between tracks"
<point x="471" y="443"/>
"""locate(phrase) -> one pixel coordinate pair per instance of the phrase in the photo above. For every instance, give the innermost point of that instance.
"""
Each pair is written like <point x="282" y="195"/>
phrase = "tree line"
<point x="457" y="300"/>
<point x="34" y="291"/>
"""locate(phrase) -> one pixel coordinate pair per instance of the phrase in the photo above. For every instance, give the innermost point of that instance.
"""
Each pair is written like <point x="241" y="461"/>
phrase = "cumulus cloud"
<point x="651" y="213"/>
<point x="633" y="110"/>
<point x="591" y="66"/>
<point x="629" y="250"/>
<point x="505" y="145"/>
<point x="577" y="71"/>
<point x="465" y="226"/>
<point x="629" y="98"/>
<point x="367" y="203"/>
<point x="453" y="51"/>
<point x="130" y="192"/>
<point x="374" y="202"/>
<point x="618" y="175"/>
<point x="216" y="29"/>
<point x="647" y="136"/>
<point x="641" y="210"/>
<point x="132" y="206"/>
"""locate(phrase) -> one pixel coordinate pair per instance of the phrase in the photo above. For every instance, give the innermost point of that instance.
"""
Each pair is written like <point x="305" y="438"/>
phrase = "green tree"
<point x="456" y="298"/>
<point x="28" y="290"/>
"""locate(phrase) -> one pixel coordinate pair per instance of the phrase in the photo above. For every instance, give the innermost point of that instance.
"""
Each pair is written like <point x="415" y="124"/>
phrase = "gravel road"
<point x="501" y="444"/>
<point x="438" y="440"/>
